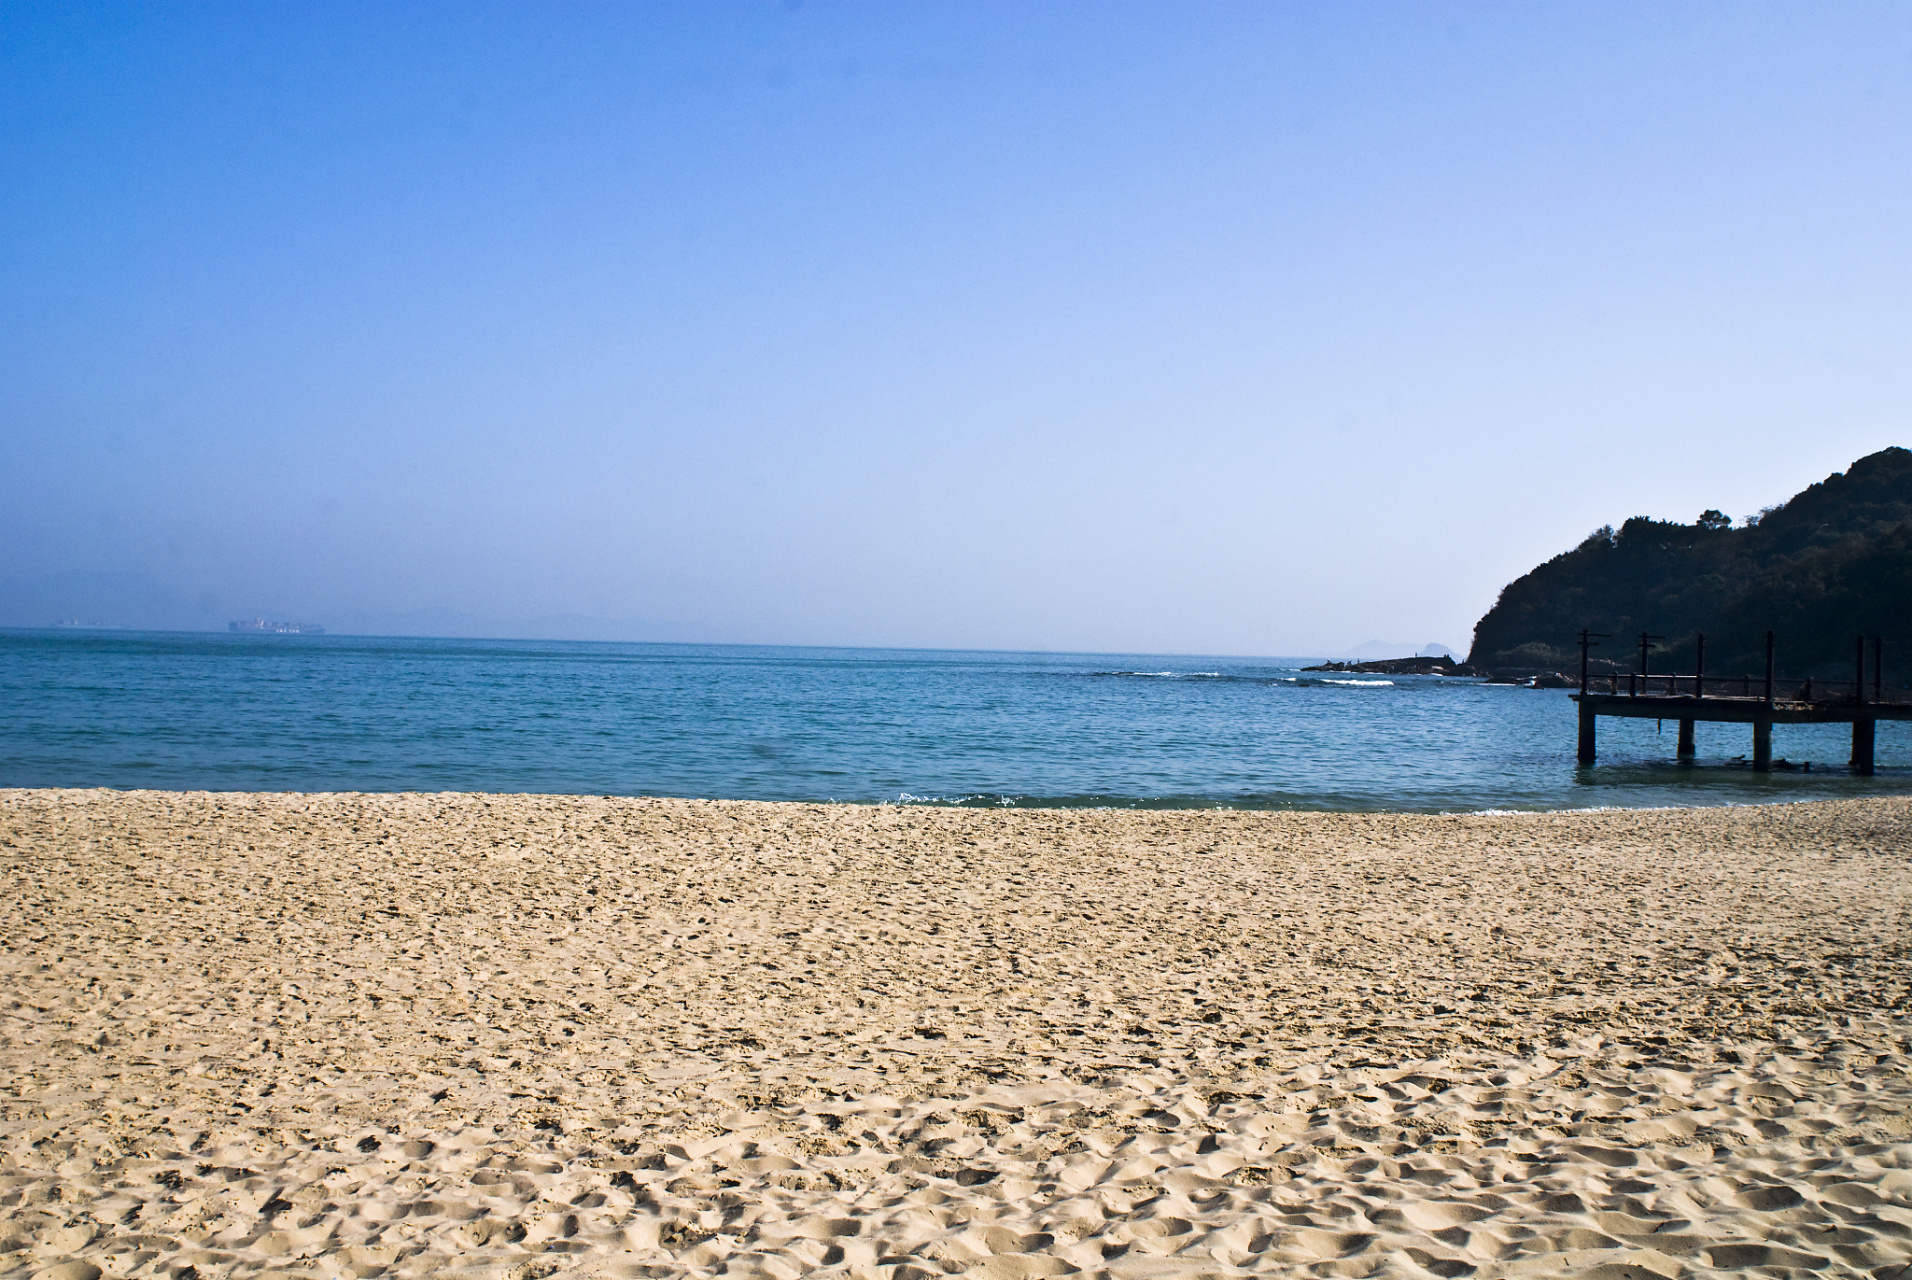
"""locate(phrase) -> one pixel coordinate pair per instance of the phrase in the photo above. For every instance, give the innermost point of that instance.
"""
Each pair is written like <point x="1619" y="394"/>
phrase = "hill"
<point x="1832" y="563"/>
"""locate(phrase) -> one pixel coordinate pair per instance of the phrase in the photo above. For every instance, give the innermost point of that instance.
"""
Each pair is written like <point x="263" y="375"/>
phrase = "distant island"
<point x="1832" y="563"/>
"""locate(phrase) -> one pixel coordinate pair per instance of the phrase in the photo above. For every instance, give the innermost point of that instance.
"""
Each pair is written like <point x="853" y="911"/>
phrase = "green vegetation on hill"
<point x="1833" y="563"/>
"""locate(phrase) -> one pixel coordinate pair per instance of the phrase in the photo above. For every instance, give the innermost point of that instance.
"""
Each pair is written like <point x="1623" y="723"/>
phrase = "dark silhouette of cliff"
<point x="1833" y="563"/>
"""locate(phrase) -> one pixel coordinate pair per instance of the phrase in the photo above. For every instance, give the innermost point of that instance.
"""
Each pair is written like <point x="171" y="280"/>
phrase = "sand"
<point x="518" y="1036"/>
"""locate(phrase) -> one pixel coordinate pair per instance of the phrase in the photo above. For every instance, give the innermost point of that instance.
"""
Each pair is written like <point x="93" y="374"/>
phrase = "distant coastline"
<point x="260" y="626"/>
<point x="75" y="624"/>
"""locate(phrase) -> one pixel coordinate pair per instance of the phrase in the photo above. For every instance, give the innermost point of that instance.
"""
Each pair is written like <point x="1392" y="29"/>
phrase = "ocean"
<point x="198" y="711"/>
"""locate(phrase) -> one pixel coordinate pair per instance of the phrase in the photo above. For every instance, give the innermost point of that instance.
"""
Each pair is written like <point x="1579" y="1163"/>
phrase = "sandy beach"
<point x="518" y="1036"/>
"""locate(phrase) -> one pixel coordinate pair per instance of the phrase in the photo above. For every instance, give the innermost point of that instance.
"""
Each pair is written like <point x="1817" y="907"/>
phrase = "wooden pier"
<point x="1760" y="702"/>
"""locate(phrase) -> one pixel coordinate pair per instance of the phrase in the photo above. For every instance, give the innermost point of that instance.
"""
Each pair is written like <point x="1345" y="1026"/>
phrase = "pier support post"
<point x="1762" y="746"/>
<point x="1686" y="751"/>
<point x="1862" y="732"/>
<point x="1586" y="733"/>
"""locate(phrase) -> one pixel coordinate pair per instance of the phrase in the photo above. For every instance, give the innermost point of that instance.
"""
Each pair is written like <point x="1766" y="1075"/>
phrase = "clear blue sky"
<point x="1163" y="327"/>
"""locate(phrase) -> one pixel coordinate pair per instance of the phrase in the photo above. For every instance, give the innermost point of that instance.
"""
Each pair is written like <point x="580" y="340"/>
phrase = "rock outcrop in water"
<point x="1833" y="563"/>
<point x="1421" y="665"/>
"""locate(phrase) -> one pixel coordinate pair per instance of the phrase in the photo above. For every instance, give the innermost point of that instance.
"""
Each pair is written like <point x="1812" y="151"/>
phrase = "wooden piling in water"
<point x="1862" y="739"/>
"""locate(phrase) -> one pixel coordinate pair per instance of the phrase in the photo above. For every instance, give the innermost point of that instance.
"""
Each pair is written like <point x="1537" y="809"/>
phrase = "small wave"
<point x="971" y="801"/>
<point x="1163" y="675"/>
<point x="1627" y="808"/>
<point x="1315" y="682"/>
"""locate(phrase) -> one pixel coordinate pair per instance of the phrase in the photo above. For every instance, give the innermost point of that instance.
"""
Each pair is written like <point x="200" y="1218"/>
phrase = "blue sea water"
<point x="335" y="713"/>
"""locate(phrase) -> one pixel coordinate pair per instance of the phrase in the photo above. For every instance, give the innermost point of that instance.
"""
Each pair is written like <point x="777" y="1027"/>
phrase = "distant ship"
<point x="74" y="624"/>
<point x="261" y="627"/>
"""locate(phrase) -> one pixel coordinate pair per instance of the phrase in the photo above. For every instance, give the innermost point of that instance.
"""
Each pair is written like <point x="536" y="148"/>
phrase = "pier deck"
<point x="1759" y="712"/>
<point x="1737" y="710"/>
<point x="1778" y="701"/>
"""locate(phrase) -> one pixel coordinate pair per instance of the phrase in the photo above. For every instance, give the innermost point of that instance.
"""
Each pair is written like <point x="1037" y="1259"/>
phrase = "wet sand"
<point x="514" y="1036"/>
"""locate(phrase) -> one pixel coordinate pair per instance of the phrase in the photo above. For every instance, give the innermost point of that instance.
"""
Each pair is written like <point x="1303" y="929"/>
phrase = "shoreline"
<point x="914" y="804"/>
<point x="660" y="1037"/>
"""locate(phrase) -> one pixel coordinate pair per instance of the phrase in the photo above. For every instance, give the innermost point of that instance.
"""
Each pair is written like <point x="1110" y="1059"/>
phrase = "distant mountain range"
<point x="1833" y="563"/>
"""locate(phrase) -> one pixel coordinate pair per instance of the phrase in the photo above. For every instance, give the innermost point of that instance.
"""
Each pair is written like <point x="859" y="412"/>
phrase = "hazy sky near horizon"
<point x="1172" y="327"/>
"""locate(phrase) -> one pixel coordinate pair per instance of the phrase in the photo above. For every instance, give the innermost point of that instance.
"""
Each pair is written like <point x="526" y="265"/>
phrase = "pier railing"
<point x="1786" y="689"/>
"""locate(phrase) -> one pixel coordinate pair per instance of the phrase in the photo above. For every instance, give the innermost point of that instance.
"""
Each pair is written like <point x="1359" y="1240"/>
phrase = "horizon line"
<point x="700" y="644"/>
